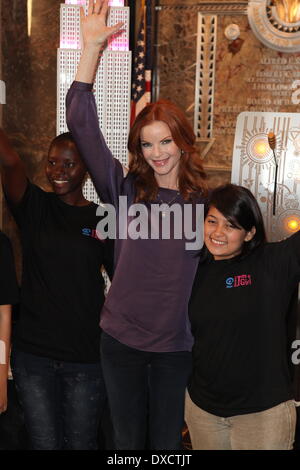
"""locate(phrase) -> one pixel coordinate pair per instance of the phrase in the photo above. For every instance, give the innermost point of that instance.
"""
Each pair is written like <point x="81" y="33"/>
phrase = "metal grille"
<point x="205" y="75"/>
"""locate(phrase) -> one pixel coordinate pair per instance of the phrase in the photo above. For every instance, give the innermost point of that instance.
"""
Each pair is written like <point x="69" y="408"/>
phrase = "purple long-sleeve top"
<point x="146" y="306"/>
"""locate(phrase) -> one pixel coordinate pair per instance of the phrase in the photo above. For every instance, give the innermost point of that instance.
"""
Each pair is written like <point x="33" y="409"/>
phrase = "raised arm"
<point x="9" y="295"/>
<point x="94" y="33"/>
<point x="82" y="118"/>
<point x="5" y="331"/>
<point x="13" y="174"/>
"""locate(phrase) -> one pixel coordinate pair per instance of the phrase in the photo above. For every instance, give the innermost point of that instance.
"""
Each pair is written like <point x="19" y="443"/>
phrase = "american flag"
<point x="141" y="77"/>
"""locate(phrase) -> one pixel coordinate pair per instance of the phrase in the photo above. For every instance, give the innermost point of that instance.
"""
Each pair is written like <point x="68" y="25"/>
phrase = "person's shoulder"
<point x="90" y="208"/>
<point x="200" y="197"/>
<point x="47" y="194"/>
<point x="283" y="244"/>
<point x="4" y="239"/>
<point x="33" y="190"/>
<point x="276" y="253"/>
<point x="92" y="205"/>
<point x="5" y="243"/>
<point x="35" y="198"/>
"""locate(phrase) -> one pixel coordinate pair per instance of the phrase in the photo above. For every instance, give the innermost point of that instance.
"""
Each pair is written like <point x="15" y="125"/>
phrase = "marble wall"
<point x="176" y="57"/>
<point x="29" y="70"/>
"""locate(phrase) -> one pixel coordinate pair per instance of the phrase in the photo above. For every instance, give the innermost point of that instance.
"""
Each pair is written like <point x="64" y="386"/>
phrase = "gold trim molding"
<point x="217" y="7"/>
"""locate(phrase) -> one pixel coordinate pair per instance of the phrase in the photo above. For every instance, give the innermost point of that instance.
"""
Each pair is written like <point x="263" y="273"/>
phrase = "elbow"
<point x="69" y="114"/>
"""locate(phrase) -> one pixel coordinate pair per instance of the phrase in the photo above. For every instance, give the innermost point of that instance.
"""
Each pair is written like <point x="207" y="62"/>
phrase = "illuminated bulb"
<point x="293" y="225"/>
<point x="261" y="148"/>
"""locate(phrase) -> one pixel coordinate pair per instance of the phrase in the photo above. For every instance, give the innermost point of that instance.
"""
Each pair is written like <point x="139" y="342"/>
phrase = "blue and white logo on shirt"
<point x="86" y="231"/>
<point x="229" y="282"/>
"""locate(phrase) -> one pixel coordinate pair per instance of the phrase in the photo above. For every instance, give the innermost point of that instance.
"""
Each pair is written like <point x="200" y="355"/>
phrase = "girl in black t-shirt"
<point x="55" y="357"/>
<point x="240" y="394"/>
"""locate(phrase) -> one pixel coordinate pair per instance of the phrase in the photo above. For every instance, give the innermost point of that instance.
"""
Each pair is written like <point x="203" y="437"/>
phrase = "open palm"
<point x="94" y="28"/>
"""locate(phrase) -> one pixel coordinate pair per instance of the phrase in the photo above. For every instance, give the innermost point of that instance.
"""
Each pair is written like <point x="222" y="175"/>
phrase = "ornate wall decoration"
<point x="267" y="23"/>
<point x="205" y="80"/>
<point x="252" y="77"/>
<point x="253" y="167"/>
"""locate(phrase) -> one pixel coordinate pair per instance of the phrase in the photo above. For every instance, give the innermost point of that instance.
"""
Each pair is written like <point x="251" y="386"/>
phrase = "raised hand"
<point x="94" y="29"/>
<point x="95" y="33"/>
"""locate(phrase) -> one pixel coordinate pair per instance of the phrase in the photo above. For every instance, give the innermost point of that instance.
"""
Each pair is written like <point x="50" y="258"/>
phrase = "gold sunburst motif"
<point x="288" y="10"/>
<point x="276" y="23"/>
<point x="258" y="149"/>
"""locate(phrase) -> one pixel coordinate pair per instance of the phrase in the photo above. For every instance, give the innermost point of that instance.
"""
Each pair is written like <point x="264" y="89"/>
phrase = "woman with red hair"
<point x="146" y="341"/>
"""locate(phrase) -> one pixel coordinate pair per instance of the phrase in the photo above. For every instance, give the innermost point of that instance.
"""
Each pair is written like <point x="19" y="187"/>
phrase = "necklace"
<point x="169" y="203"/>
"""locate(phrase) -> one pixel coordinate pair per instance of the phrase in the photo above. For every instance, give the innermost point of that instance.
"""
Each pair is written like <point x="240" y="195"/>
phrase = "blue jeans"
<point x="146" y="395"/>
<point x="62" y="401"/>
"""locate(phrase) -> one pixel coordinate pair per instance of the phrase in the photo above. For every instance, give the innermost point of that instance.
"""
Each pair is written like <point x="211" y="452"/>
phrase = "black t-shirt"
<point x="62" y="286"/>
<point x="9" y="291"/>
<point x="238" y="310"/>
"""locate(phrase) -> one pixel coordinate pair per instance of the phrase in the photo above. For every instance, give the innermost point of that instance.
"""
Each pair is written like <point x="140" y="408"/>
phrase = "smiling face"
<point x="222" y="239"/>
<point x="161" y="153"/>
<point x="65" y="171"/>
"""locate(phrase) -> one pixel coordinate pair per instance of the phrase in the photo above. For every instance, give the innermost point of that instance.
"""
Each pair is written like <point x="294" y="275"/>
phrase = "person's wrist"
<point x="3" y="373"/>
<point x="92" y="47"/>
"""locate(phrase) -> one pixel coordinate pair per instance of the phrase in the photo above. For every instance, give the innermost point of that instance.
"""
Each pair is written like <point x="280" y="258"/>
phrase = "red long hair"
<point x="191" y="176"/>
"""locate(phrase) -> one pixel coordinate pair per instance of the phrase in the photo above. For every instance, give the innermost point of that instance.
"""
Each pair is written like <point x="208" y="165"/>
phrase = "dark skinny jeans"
<point x="146" y="392"/>
<point x="62" y="401"/>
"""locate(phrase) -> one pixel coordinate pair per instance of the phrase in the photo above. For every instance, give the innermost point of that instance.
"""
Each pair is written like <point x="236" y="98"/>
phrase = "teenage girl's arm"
<point x="13" y="173"/>
<point x="82" y="116"/>
<point x="5" y="332"/>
